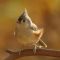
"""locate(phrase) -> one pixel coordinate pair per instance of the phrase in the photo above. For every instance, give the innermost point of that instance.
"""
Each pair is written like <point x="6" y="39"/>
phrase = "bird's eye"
<point x="23" y="20"/>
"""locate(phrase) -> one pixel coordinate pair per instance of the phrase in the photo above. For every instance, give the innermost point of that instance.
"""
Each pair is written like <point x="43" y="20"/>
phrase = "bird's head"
<point x="26" y="21"/>
<point x="24" y="18"/>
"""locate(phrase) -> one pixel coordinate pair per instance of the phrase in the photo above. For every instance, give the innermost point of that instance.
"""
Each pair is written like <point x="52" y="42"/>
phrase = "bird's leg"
<point x="38" y="45"/>
<point x="34" y="48"/>
<point x="43" y="44"/>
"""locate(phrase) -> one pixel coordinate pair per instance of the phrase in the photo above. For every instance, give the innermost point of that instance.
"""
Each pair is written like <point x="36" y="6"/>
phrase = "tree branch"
<point x="29" y="52"/>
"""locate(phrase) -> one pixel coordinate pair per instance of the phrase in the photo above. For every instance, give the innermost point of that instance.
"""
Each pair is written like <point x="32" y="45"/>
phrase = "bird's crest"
<point x="23" y="16"/>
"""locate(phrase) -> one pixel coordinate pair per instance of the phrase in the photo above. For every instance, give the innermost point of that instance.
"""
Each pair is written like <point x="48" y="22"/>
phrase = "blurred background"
<point x="45" y="13"/>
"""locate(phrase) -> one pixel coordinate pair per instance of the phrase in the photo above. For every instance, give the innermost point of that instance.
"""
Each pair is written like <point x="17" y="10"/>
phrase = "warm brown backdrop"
<point x="45" y="13"/>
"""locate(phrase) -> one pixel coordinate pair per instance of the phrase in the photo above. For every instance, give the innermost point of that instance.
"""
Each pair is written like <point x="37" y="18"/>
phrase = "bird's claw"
<point x="36" y="47"/>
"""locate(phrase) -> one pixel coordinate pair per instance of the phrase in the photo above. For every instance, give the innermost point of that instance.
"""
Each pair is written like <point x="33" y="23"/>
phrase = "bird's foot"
<point x="37" y="47"/>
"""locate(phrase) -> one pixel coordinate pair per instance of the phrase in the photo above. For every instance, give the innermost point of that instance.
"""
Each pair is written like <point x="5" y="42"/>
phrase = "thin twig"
<point x="29" y="52"/>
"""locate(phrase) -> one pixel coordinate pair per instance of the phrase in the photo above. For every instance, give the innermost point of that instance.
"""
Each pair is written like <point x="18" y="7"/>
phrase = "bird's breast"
<point x="25" y="36"/>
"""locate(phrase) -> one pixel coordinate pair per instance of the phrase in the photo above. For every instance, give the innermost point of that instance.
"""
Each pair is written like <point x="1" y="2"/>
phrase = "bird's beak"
<point x="18" y="22"/>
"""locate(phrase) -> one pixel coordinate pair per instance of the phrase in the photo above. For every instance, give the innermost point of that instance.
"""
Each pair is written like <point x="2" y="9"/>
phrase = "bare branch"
<point x="29" y="52"/>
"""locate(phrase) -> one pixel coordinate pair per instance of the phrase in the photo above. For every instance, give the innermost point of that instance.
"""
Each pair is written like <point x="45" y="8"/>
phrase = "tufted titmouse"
<point x="27" y="33"/>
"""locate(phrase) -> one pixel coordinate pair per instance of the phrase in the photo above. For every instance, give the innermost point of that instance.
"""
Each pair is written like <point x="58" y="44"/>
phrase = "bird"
<point x="28" y="34"/>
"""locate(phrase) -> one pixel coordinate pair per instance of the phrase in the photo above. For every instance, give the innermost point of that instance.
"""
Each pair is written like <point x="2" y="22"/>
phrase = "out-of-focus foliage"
<point x="45" y="13"/>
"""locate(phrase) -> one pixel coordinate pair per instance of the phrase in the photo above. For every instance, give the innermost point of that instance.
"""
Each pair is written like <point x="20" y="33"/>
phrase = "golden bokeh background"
<point x="45" y="13"/>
